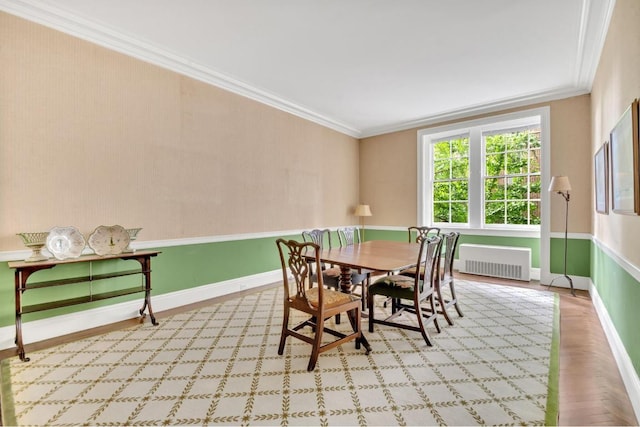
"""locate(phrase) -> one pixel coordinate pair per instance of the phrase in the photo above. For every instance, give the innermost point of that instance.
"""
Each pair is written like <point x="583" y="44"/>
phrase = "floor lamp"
<point x="362" y="211"/>
<point x="561" y="185"/>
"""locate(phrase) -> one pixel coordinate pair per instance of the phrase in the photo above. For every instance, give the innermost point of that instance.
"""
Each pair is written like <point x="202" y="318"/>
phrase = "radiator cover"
<point x="507" y="262"/>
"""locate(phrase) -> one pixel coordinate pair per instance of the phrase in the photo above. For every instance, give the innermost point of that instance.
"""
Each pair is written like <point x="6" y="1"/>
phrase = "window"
<point x="482" y="174"/>
<point x="512" y="177"/>
<point x="450" y="184"/>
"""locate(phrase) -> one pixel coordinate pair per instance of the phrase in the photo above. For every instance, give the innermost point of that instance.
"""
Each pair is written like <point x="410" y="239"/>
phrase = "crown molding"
<point x="594" y="25"/>
<point x="476" y="110"/>
<point x="67" y="23"/>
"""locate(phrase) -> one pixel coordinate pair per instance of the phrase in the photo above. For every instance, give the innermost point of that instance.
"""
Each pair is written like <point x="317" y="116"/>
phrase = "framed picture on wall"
<point x="623" y="150"/>
<point x="601" y="170"/>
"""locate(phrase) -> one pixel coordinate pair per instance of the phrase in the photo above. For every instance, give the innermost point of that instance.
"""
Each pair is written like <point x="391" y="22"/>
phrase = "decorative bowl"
<point x="35" y="241"/>
<point x="133" y="232"/>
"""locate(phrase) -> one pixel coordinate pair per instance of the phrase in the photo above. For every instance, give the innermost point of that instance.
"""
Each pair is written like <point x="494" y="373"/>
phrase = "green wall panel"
<point x="578" y="256"/>
<point x="527" y="242"/>
<point x="398" y="236"/>
<point x="620" y="293"/>
<point x="176" y="268"/>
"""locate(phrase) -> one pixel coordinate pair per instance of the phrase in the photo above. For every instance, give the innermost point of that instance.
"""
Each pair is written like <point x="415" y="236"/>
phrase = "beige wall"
<point x="388" y="168"/>
<point x="616" y="85"/>
<point x="89" y="136"/>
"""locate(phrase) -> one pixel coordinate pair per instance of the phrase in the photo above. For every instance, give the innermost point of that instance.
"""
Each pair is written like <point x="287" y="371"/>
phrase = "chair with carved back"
<point x="349" y="236"/>
<point x="411" y="294"/>
<point x="417" y="233"/>
<point x="446" y="278"/>
<point x="318" y="302"/>
<point x="330" y="274"/>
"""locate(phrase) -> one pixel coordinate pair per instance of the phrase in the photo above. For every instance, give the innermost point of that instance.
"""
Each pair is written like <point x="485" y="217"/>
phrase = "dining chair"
<point x="348" y="236"/>
<point x="318" y="302"/>
<point x="408" y="294"/>
<point x="450" y="243"/>
<point x="417" y="233"/>
<point x="447" y="277"/>
<point x="330" y="274"/>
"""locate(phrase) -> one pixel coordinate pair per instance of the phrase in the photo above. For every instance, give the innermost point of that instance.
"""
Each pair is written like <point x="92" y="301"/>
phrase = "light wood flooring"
<point x="591" y="390"/>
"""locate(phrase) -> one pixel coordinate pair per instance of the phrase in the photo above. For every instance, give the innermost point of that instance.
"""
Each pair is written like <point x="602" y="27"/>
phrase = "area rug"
<point x="218" y="365"/>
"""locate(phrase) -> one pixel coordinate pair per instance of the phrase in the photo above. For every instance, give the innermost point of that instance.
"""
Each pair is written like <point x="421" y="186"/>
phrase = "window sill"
<point x="501" y="232"/>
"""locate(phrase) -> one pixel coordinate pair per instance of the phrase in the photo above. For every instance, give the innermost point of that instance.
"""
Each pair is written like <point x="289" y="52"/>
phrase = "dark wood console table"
<point x="25" y="269"/>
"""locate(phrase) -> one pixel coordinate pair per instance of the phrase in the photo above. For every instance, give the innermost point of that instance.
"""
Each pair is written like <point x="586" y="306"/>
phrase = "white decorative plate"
<point x="65" y="242"/>
<point x="109" y="240"/>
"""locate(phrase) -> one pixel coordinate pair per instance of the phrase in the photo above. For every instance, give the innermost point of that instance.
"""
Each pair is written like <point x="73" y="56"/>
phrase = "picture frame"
<point x="601" y="172"/>
<point x="623" y="153"/>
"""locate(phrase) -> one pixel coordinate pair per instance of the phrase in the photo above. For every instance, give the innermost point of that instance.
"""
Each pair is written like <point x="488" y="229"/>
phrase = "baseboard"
<point x="625" y="366"/>
<point x="39" y="330"/>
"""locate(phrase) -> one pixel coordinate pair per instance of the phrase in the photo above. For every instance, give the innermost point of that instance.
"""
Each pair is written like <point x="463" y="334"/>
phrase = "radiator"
<point x="495" y="261"/>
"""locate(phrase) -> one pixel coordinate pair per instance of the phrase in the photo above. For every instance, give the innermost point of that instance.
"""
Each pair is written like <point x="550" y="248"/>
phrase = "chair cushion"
<point x="331" y="298"/>
<point x="397" y="280"/>
<point x="331" y="272"/>
<point x="396" y="286"/>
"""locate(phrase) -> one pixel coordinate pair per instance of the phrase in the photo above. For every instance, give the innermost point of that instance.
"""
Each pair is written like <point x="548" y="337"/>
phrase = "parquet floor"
<point x="591" y="389"/>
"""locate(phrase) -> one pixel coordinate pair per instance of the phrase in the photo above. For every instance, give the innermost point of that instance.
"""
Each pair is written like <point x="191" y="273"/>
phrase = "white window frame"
<point x="475" y="129"/>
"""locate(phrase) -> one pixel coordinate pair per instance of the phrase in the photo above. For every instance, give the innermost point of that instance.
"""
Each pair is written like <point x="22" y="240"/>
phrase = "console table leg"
<point x="145" y="262"/>
<point x="147" y="303"/>
<point x="19" y="343"/>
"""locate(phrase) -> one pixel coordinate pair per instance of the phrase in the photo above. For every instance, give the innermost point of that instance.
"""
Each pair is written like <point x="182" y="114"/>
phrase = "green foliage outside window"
<point x="451" y="180"/>
<point x="512" y="178"/>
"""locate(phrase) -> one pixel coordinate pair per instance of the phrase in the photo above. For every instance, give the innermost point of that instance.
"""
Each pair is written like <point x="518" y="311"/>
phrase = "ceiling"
<point x="362" y="67"/>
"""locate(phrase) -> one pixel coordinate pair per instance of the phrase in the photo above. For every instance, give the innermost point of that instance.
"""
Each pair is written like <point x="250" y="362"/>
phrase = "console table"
<point x="24" y="269"/>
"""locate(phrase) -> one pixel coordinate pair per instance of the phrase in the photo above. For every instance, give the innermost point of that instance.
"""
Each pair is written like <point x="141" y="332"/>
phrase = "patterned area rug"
<point x="219" y="365"/>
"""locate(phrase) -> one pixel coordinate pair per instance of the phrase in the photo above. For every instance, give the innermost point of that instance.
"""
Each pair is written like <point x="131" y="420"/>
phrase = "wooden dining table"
<point x="375" y="255"/>
<point x="382" y="256"/>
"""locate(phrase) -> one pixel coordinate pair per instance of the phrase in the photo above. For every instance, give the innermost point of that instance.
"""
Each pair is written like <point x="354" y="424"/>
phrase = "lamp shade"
<point x="363" y="210"/>
<point x="560" y="184"/>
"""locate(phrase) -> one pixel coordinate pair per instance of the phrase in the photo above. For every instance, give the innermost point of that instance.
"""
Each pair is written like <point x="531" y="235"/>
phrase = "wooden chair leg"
<point x="284" y="333"/>
<point x="423" y="329"/>
<point x="455" y="299"/>
<point x="354" y="318"/>
<point x="371" y="311"/>
<point x="435" y="314"/>
<point x="443" y="305"/>
<point x="317" y="342"/>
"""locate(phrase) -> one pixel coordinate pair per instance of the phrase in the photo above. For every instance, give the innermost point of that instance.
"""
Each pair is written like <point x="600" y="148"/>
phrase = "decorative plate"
<point x="109" y="240"/>
<point x="65" y="242"/>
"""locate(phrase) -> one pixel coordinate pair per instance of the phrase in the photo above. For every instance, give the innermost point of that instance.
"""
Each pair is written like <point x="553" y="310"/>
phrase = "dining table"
<point x="383" y="256"/>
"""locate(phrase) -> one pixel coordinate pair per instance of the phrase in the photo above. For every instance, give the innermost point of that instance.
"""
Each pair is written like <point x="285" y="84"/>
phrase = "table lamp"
<point x="362" y="211"/>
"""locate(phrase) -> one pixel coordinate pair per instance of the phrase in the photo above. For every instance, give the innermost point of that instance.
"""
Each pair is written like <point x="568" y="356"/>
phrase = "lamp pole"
<point x="566" y="228"/>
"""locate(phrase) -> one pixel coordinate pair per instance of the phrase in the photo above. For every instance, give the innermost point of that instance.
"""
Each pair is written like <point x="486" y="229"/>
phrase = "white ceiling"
<point x="363" y="67"/>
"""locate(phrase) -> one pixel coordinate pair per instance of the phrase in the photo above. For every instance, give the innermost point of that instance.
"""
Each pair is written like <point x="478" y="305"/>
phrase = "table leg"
<point x="18" y="300"/>
<point x="345" y="279"/>
<point x="345" y="286"/>
<point x="146" y="269"/>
